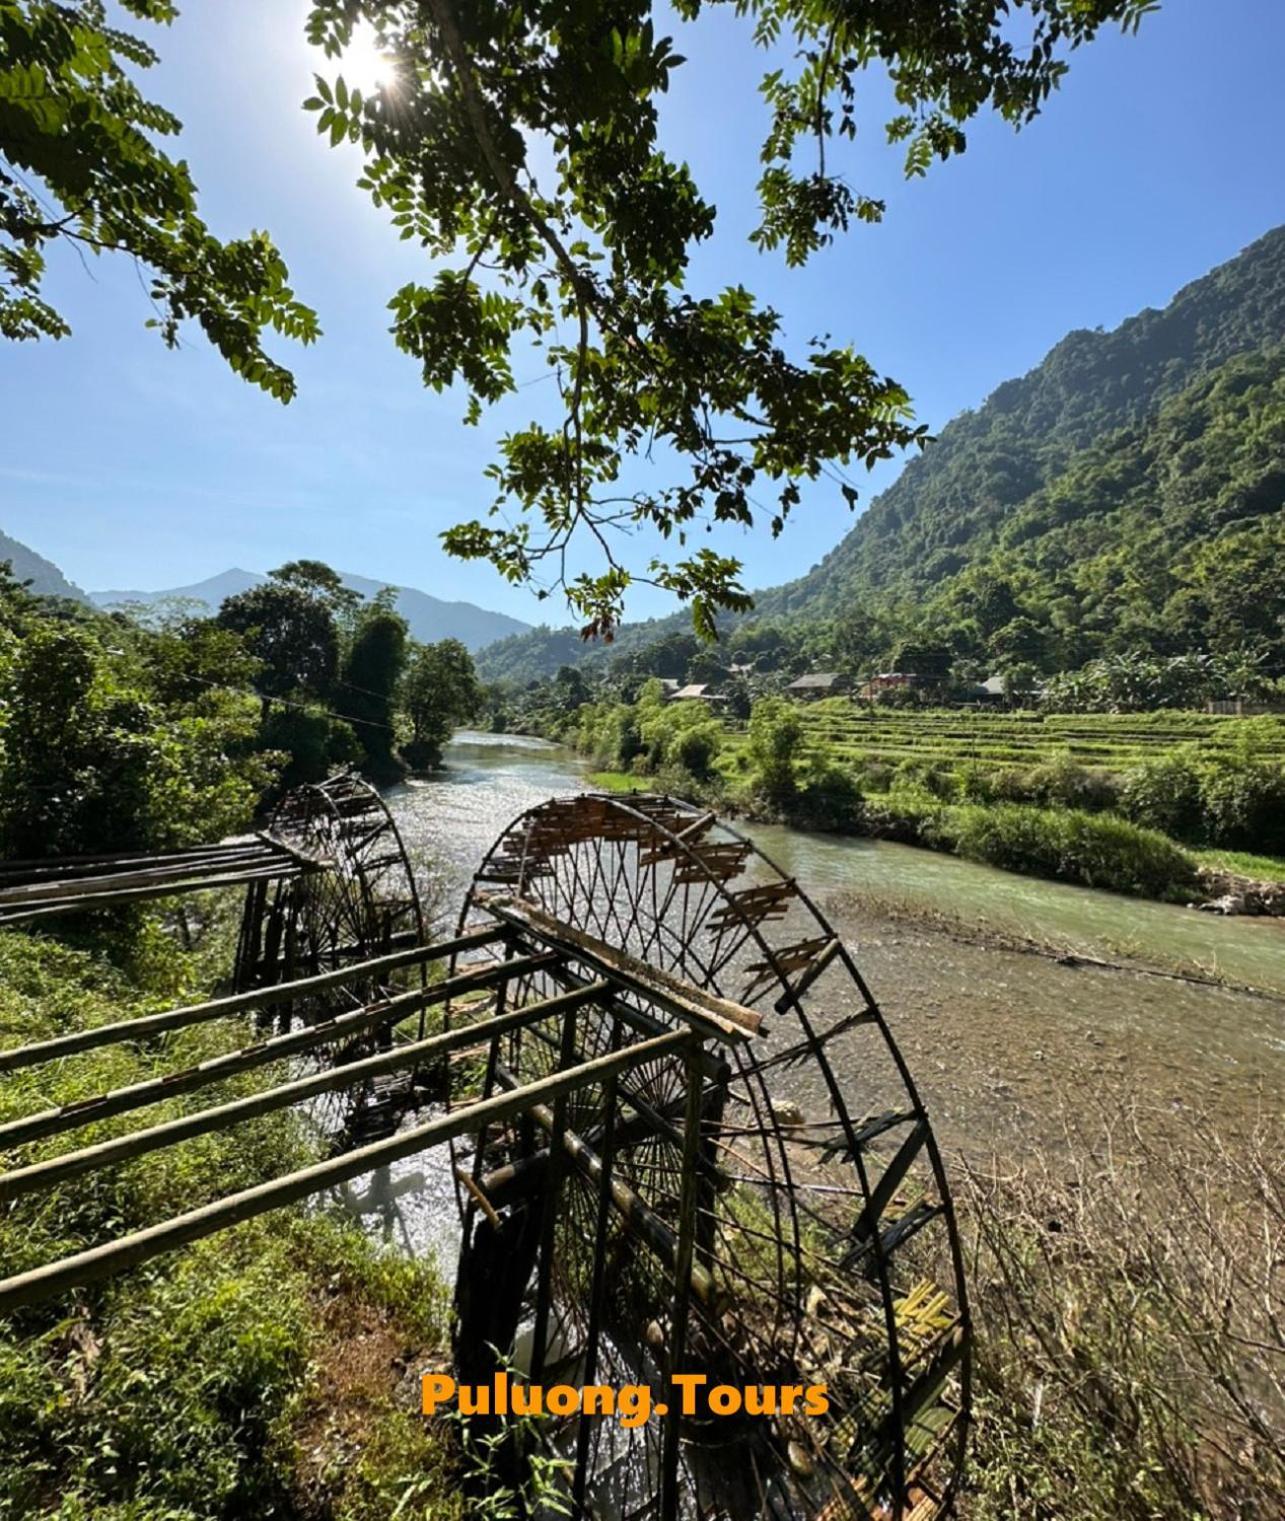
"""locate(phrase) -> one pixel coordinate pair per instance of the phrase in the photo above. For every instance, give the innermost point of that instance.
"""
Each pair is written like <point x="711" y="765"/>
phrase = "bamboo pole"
<point x="74" y="903"/>
<point x="68" y="870"/>
<point x="148" y="1025"/>
<point x="654" y="1231"/>
<point x="146" y="876"/>
<point x="42" y="1175"/>
<point x="138" y="1095"/>
<point x="720" y="1017"/>
<point x="114" y="1256"/>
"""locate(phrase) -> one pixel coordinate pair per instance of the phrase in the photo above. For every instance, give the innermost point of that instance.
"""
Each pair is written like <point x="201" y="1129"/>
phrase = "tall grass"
<point x="1131" y="1327"/>
<point x="1092" y="849"/>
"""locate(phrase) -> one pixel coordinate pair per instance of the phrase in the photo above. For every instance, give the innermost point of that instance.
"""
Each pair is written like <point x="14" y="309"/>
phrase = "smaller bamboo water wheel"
<point x="362" y="903"/>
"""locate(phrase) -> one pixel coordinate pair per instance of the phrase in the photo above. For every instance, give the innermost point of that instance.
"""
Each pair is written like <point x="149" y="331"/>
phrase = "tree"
<point x="775" y="738"/>
<point x="440" y="690"/>
<point x="291" y="633"/>
<point x="369" y="682"/>
<point x="591" y="264"/>
<point x="928" y="658"/>
<point x="78" y="163"/>
<point x="119" y="744"/>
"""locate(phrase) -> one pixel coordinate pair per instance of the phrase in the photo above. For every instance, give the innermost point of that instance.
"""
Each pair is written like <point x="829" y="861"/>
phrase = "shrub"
<point x="1243" y="802"/>
<point x="829" y="800"/>
<point x="1064" y="783"/>
<point x="1095" y="850"/>
<point x="927" y="776"/>
<point x="775" y="737"/>
<point x="1164" y="793"/>
<point x="694" y="749"/>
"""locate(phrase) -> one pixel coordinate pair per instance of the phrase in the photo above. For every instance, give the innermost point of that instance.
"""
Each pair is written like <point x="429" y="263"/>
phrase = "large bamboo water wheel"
<point x="769" y="1211"/>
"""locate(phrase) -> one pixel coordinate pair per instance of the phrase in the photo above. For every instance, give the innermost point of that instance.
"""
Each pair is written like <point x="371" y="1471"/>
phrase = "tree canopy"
<point x="588" y="262"/>
<point x="79" y="164"/>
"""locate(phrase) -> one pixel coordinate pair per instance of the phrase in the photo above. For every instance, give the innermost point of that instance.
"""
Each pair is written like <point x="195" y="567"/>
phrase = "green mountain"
<point x="1128" y="492"/>
<point x="956" y="503"/>
<point x="45" y="577"/>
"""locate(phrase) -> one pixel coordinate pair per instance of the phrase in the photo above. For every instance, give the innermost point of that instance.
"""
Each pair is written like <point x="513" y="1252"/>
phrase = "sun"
<point x="365" y="65"/>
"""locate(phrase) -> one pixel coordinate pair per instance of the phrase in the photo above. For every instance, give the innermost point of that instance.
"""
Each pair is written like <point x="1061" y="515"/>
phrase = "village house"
<point x="818" y="684"/>
<point x="697" y="691"/>
<point x="891" y="681"/>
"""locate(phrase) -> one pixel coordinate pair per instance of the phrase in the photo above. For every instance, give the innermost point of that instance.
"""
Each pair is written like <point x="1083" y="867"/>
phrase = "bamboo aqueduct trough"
<point x="607" y="1046"/>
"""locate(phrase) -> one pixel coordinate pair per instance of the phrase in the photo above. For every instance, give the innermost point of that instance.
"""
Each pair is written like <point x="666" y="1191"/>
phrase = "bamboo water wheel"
<point x="364" y="903"/>
<point x="771" y="1212"/>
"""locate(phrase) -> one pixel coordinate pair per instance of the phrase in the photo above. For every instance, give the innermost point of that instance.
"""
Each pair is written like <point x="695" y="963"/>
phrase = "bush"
<point x="1244" y="805"/>
<point x="694" y="749"/>
<point x="1063" y="783"/>
<point x="829" y="800"/>
<point x="933" y="777"/>
<point x="1235" y="801"/>
<point x="1164" y="794"/>
<point x="1095" y="850"/>
<point x="775" y="738"/>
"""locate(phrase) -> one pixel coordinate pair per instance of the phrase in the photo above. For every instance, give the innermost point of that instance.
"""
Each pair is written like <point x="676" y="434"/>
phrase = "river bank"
<point x="1106" y="1094"/>
<point x="1139" y="1004"/>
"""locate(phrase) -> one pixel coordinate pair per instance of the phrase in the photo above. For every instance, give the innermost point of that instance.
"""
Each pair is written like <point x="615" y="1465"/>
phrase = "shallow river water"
<point x="1003" y="1042"/>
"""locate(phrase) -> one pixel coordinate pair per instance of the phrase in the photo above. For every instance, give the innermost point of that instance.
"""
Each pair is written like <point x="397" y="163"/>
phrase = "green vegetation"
<point x="219" y="1381"/>
<point x="592" y="264"/>
<point x="73" y="120"/>
<point x="119" y="732"/>
<point x="1113" y="520"/>
<point x="1101" y="801"/>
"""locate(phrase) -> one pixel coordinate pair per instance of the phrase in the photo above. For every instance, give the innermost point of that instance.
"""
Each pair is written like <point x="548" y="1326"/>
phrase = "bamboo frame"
<point x="148" y="1025"/>
<point x="141" y="1246"/>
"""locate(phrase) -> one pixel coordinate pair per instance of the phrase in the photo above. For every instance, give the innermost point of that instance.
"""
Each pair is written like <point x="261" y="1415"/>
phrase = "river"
<point x="1006" y="1044"/>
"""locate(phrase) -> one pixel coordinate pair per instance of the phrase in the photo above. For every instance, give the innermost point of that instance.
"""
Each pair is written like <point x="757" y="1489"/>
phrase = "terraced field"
<point x="1112" y="742"/>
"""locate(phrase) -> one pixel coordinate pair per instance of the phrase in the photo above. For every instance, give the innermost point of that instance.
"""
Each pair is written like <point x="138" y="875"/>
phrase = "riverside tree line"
<point x="156" y="727"/>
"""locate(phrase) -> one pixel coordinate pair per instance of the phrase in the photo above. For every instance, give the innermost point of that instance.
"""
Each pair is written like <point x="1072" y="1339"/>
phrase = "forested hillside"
<point x="958" y="501"/>
<point x="45" y="577"/>
<point x="1127" y="494"/>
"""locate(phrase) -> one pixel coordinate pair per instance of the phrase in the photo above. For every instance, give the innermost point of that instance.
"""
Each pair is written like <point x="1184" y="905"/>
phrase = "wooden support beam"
<point x="138" y="1095"/>
<point x="685" y="1270"/>
<point x="648" y="1224"/>
<point x="44" y="1175"/>
<point x="112" y="883"/>
<point x="114" y="1256"/>
<point x="146" y="1026"/>
<point x="720" y="1018"/>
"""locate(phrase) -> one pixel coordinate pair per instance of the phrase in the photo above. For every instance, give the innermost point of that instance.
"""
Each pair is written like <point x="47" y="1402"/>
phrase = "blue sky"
<point x="132" y="466"/>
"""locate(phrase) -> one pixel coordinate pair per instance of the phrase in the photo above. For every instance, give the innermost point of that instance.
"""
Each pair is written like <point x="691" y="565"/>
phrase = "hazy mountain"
<point x="45" y="577"/>
<point x="429" y="618"/>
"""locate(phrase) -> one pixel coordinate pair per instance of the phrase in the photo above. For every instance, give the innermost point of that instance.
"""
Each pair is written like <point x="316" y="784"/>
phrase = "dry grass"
<point x="1131" y="1328"/>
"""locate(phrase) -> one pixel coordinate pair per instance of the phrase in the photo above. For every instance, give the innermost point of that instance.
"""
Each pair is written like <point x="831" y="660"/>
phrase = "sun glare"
<point x="364" y="65"/>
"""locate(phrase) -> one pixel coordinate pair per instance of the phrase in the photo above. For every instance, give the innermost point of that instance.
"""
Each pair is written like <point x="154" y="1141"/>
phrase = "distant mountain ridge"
<point x="45" y="577"/>
<point x="430" y="618"/>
